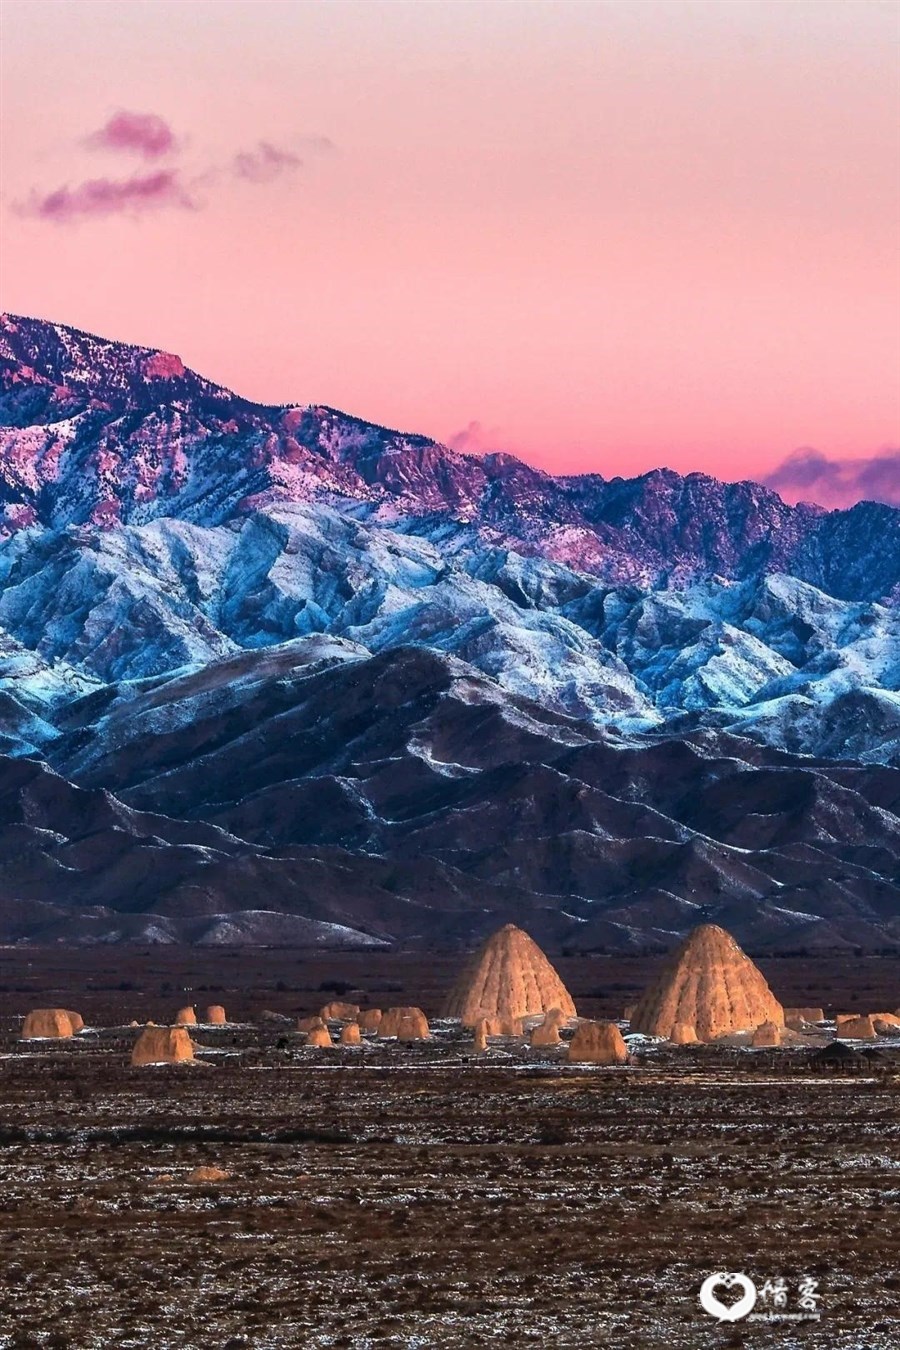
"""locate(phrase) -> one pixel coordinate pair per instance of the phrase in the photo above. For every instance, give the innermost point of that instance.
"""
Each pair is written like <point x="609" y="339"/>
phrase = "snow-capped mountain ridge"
<point x="405" y="693"/>
<point x="101" y="433"/>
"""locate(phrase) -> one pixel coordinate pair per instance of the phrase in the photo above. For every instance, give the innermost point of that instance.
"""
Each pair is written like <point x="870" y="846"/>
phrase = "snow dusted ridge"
<point x="302" y="679"/>
<point x="100" y="433"/>
<point x="151" y="521"/>
<point x="771" y="657"/>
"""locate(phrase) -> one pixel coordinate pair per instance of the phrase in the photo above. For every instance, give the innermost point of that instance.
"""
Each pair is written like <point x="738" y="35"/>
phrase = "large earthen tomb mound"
<point x="709" y="984"/>
<point x="508" y="977"/>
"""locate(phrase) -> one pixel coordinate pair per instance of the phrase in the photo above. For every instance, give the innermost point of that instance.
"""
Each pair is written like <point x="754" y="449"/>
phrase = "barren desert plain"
<point x="417" y="1194"/>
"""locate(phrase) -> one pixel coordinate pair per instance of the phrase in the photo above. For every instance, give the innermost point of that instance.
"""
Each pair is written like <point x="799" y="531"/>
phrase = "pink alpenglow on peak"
<point x="163" y="366"/>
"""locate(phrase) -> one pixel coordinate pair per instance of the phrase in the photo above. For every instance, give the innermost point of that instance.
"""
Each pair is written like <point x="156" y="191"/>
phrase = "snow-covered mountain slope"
<point x="308" y="679"/>
<point x="413" y="773"/>
<point x="773" y="657"/>
<point x="95" y="432"/>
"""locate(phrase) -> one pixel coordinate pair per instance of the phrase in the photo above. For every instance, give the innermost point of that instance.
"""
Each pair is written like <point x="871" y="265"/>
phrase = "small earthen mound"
<point x="414" y="1027"/>
<point x="804" y="1015"/>
<point x="711" y="984"/>
<point x="480" y="1037"/>
<point x="162" y="1045"/>
<point x="886" y="1024"/>
<point x="597" y="1043"/>
<point x="370" y="1019"/>
<point x="546" y="1032"/>
<point x="505" y="1026"/>
<point x="391" y="1020"/>
<point x="855" y="1029"/>
<point x="215" y="1015"/>
<point x="350" y="1033"/>
<point x="509" y="976"/>
<point x="339" y="1012"/>
<point x="44" y="1023"/>
<point x="319" y="1036"/>
<point x="186" y="1017"/>
<point x="310" y="1023"/>
<point x="203" y="1176"/>
<point x="683" y="1034"/>
<point x="767" y="1033"/>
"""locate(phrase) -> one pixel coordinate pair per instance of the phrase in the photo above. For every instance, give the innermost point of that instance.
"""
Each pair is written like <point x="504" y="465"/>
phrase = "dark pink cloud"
<point x="110" y="196"/>
<point x="474" y="439"/>
<point x="144" y="134"/>
<point x="264" y="163"/>
<point x="808" y="475"/>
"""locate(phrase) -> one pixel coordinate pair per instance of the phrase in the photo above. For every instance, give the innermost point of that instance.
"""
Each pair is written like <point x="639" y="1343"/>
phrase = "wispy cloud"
<point x="474" y="438"/>
<point x="110" y="196"/>
<point x="144" y="134"/>
<point x="808" y="475"/>
<point x="265" y="162"/>
<point x="150" y="137"/>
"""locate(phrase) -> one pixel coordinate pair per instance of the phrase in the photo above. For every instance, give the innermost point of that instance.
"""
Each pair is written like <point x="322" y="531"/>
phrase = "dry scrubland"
<point x="413" y="1195"/>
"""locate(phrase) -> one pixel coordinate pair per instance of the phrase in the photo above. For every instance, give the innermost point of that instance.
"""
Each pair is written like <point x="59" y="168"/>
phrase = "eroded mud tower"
<point x="162" y="1045"/>
<point x="407" y="1019"/>
<point x="44" y="1023"/>
<point x="597" y="1043"/>
<point x="508" y="977"/>
<point x="710" y="984"/>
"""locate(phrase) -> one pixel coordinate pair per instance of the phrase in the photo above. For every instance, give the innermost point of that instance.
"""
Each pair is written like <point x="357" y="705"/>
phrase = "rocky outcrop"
<point x="350" y="1033"/>
<point x="370" y="1019"/>
<point x="186" y="1017"/>
<point x="766" y="1034"/>
<point x="597" y="1043"/>
<point x="480" y="1036"/>
<point x="710" y="984"/>
<point x="683" y="1033"/>
<point x="215" y="1015"/>
<point x="508" y="977"/>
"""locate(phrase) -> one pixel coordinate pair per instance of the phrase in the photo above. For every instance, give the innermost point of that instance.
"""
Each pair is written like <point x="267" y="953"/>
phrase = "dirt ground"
<point x="417" y="1195"/>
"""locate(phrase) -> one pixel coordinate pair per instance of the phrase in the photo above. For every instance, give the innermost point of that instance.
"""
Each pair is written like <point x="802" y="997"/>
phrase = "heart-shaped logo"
<point x="727" y="1312"/>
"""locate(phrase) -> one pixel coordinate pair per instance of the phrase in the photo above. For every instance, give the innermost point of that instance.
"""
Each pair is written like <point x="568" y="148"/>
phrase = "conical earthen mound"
<point x="710" y="984"/>
<point x="508" y="977"/>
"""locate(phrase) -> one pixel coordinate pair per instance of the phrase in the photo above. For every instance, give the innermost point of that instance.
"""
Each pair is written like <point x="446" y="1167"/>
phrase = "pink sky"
<point x="606" y="236"/>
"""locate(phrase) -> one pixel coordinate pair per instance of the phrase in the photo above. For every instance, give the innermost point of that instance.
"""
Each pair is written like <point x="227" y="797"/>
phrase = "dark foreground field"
<point x="413" y="1196"/>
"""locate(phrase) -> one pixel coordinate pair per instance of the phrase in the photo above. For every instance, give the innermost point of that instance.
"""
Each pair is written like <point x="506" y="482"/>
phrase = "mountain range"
<point x="276" y="674"/>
